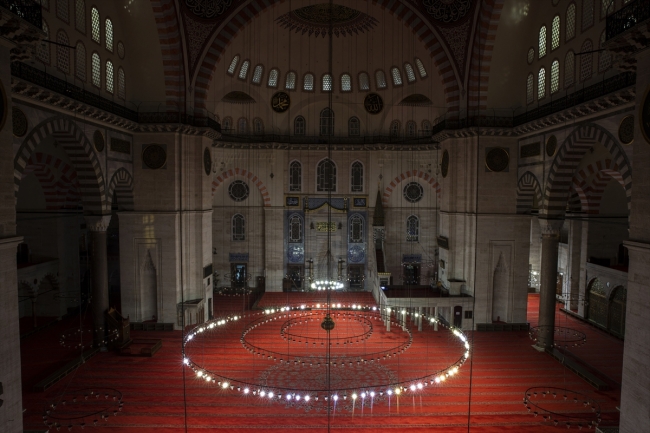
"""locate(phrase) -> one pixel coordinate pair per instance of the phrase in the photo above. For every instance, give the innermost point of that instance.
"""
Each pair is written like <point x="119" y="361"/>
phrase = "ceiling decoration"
<point x="315" y="20"/>
<point x="447" y="11"/>
<point x="208" y="8"/>
<point x="198" y="32"/>
<point x="416" y="100"/>
<point x="237" y="97"/>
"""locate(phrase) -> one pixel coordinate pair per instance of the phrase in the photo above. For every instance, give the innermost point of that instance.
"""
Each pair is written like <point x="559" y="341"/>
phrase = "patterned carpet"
<point x="160" y="398"/>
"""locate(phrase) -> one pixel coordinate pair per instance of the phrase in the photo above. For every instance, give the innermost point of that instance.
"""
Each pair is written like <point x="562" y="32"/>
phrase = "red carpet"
<point x="504" y="366"/>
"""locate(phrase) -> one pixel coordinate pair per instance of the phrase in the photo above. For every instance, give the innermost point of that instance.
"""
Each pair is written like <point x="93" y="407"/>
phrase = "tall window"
<point x="242" y="126"/>
<point x="290" y="82"/>
<point x="607" y="7"/>
<point x="80" y="16"/>
<point x="308" y="82"/>
<point x="410" y="73"/>
<point x="411" y="129"/>
<point x="542" y="42"/>
<point x="555" y="33"/>
<point x="354" y="127"/>
<point x="326" y="176"/>
<point x="121" y="83"/>
<point x="412" y="229"/>
<point x="109" y="76"/>
<point x="587" y="14"/>
<point x="346" y="83"/>
<point x="238" y="228"/>
<point x="604" y="57"/>
<point x="355" y="234"/>
<point x="243" y="71"/>
<point x="258" y="126"/>
<point x="394" y="128"/>
<point x="63" y="10"/>
<point x="299" y="126"/>
<point x="571" y="21"/>
<point x="397" y="77"/>
<point x="295" y="229"/>
<point x="227" y="124"/>
<point x="530" y="86"/>
<point x="381" y="79"/>
<point x="43" y="50"/>
<point x="364" y="81"/>
<point x="326" y="122"/>
<point x="327" y="83"/>
<point x="295" y="176"/>
<point x="426" y="128"/>
<point x="257" y="74"/>
<point x="356" y="177"/>
<point x="420" y="66"/>
<point x="108" y="28"/>
<point x="273" y="78"/>
<point x="96" y="31"/>
<point x="569" y="69"/>
<point x="541" y="83"/>
<point x="555" y="76"/>
<point x="80" y="61"/>
<point x="63" y="52"/>
<point x="586" y="60"/>
<point x="233" y="65"/>
<point x="96" y="69"/>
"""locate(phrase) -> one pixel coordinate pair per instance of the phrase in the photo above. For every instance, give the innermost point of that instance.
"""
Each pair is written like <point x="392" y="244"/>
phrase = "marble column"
<point x="548" y="280"/>
<point x="97" y="226"/>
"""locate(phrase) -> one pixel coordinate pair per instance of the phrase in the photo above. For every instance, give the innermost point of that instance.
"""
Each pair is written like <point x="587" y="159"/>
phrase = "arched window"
<point x="397" y="77"/>
<point x="63" y="10"/>
<point x="80" y="61"/>
<point x="555" y="76"/>
<point x="607" y="7"/>
<point x="257" y="74"/>
<point x="326" y="122"/>
<point x="411" y="129"/>
<point x="356" y="177"/>
<point x="426" y="128"/>
<point x="227" y="124"/>
<point x="381" y="79"/>
<point x="346" y="83"/>
<point x="109" y="76"/>
<point x="80" y="16"/>
<point x="96" y="70"/>
<point x="290" y="82"/>
<point x="420" y="66"/>
<point x="326" y="176"/>
<point x="569" y="69"/>
<point x="243" y="71"/>
<point x="410" y="73"/>
<point x="238" y="227"/>
<point x="242" y="126"/>
<point x="587" y="14"/>
<point x="604" y="57"/>
<point x="327" y="83"/>
<point x="233" y="65"/>
<point x="555" y="33"/>
<point x="121" y="84"/>
<point x="541" y="83"/>
<point x="412" y="229"/>
<point x="570" y="22"/>
<point x="364" y="81"/>
<point x="530" y="86"/>
<point x="108" y="28"/>
<point x="295" y="176"/>
<point x="542" y="42"/>
<point x="273" y="78"/>
<point x="354" y="127"/>
<point x="299" y="126"/>
<point x="258" y="126"/>
<point x="96" y="30"/>
<point x="120" y="50"/>
<point x="586" y="60"/>
<point x="355" y="231"/>
<point x="308" y="82"/>
<point x="62" y="52"/>
<point x="394" y="128"/>
<point x="295" y="229"/>
<point x="43" y="51"/>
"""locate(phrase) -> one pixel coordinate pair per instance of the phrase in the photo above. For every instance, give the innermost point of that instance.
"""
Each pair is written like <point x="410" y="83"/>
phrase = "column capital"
<point x="98" y="223"/>
<point x="550" y="227"/>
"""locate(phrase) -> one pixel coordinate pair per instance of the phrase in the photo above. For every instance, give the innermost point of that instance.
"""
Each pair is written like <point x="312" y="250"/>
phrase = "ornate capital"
<point x="97" y="223"/>
<point x="550" y="227"/>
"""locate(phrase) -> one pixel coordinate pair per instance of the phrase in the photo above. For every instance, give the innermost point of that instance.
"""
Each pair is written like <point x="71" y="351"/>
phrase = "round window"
<point x="238" y="190"/>
<point x="413" y="192"/>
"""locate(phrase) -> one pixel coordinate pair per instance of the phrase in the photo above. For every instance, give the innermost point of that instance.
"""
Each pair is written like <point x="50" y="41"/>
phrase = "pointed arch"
<point x="122" y="185"/>
<point x="528" y="190"/>
<point x="426" y="177"/>
<point x="245" y="174"/>
<point x="58" y="180"/>
<point x="601" y="171"/>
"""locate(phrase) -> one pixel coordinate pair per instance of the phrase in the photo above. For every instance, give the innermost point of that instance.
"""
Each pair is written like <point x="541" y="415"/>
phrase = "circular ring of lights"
<point x="55" y="414"/>
<point x="234" y="291"/>
<point x="326" y="285"/>
<point x="562" y="337"/>
<point x="537" y="405"/>
<point x="77" y="338"/>
<point x="325" y="395"/>
<point x="290" y="336"/>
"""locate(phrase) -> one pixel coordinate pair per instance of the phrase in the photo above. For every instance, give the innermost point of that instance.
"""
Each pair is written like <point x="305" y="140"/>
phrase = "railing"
<point x="29" y="10"/>
<point x="627" y="17"/>
<point x="230" y="136"/>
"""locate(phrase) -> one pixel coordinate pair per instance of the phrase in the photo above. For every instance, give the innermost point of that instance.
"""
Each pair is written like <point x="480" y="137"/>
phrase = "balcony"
<point x="29" y="10"/>
<point x="627" y="17"/>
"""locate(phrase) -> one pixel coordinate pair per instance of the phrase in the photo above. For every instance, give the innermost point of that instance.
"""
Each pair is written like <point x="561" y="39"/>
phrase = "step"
<point x="579" y="369"/>
<point x="65" y="370"/>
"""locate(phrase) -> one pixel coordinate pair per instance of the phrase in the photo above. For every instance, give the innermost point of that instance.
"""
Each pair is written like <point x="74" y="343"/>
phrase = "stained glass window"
<point x="542" y="42"/>
<point x="354" y="127"/>
<point x="541" y="83"/>
<point x="257" y="74"/>
<point x="96" y="69"/>
<point x="295" y="176"/>
<point x="80" y="61"/>
<point x="571" y="21"/>
<point x="121" y="84"/>
<point x="555" y="76"/>
<point x="397" y="77"/>
<point x="356" y="177"/>
<point x="410" y="73"/>
<point x="569" y="69"/>
<point x="238" y="228"/>
<point x="364" y="81"/>
<point x="412" y="229"/>
<point x="420" y="66"/>
<point x="555" y="33"/>
<point x="295" y="229"/>
<point x="290" y="82"/>
<point x="80" y="15"/>
<point x="243" y="71"/>
<point x="381" y="79"/>
<point x="233" y="65"/>
<point x="109" y="76"/>
<point x="346" y="83"/>
<point x="586" y="60"/>
<point x="327" y="83"/>
<point x="108" y="28"/>
<point x="273" y="78"/>
<point x="355" y="234"/>
<point x="63" y="52"/>
<point x="529" y="89"/>
<point x="95" y="25"/>
<point x="326" y="176"/>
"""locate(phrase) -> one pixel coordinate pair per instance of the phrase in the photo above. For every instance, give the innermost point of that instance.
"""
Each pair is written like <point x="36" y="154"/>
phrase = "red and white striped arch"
<point x="410" y="175"/>
<point x="245" y="174"/>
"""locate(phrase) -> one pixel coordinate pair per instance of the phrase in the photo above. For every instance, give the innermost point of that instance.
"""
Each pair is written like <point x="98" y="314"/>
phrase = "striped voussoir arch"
<point x="172" y="52"/>
<point x="577" y="200"/>
<point x="602" y="172"/>
<point x="528" y="190"/>
<point x="84" y="160"/>
<point x="567" y="160"/>
<point x="242" y="172"/>
<point x="60" y="192"/>
<point x="426" y="177"/>
<point x="121" y="188"/>
<point x="402" y="11"/>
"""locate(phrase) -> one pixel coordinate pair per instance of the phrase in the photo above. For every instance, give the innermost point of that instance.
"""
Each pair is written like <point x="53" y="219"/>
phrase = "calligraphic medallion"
<point x="373" y="103"/>
<point x="280" y="102"/>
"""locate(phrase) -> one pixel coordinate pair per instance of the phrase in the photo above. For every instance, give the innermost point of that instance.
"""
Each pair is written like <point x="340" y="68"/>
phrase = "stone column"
<point x="97" y="226"/>
<point x="548" y="280"/>
<point x="435" y="314"/>
<point x="419" y="318"/>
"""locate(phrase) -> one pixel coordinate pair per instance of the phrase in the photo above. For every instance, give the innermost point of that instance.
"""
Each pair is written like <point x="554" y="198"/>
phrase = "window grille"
<point x="43" y="51"/>
<point x="394" y="128"/>
<point x="586" y="61"/>
<point x="120" y="50"/>
<point x="80" y="16"/>
<point x="257" y="74"/>
<point x="95" y="25"/>
<point x="355" y="234"/>
<point x="108" y="28"/>
<point x="413" y="192"/>
<point x="233" y="65"/>
<point x="290" y="82"/>
<point x="542" y="42"/>
<point x="273" y="78"/>
<point x="354" y="127"/>
<point x="63" y="52"/>
<point x="109" y="76"/>
<point x="227" y="124"/>
<point x="541" y="83"/>
<point x="299" y="126"/>
<point x="529" y="89"/>
<point x="327" y="83"/>
<point x="410" y="73"/>
<point x="295" y="176"/>
<point x="63" y="10"/>
<point x="412" y="229"/>
<point x="356" y="177"/>
<point x="604" y="57"/>
<point x="555" y="33"/>
<point x="346" y="83"/>
<point x="381" y="79"/>
<point x="121" y="84"/>
<point x="308" y="82"/>
<point x="555" y="76"/>
<point x="607" y="7"/>
<point x="420" y="66"/>
<point x="397" y="77"/>
<point x="569" y="69"/>
<point x="531" y="55"/>
<point x="411" y="129"/>
<point x="80" y="61"/>
<point x="571" y="21"/>
<point x="364" y="82"/>
<point x="587" y="14"/>
<point x="327" y="122"/>
<point x="238" y="228"/>
<point x="295" y="229"/>
<point x="96" y="66"/>
<point x="238" y="190"/>
<point x="326" y="176"/>
<point x="243" y="71"/>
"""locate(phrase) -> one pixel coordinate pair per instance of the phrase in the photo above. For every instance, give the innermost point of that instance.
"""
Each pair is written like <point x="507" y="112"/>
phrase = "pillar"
<point x="548" y="280"/>
<point x="419" y="318"/>
<point x="435" y="314"/>
<point x="97" y="226"/>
